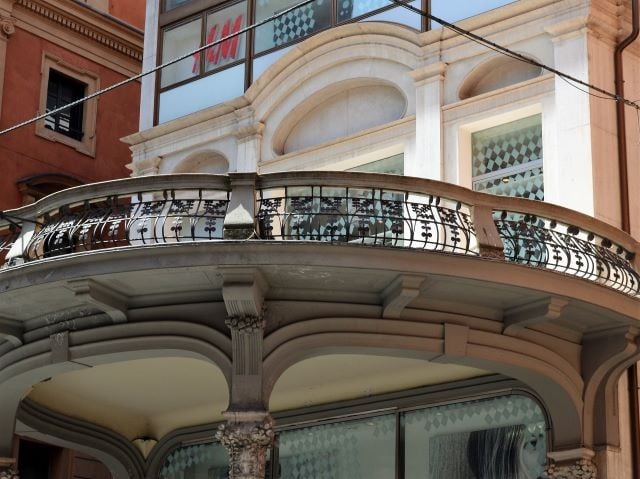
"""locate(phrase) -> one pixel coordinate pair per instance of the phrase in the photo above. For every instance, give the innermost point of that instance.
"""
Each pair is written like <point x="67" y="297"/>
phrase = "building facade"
<point x="354" y="244"/>
<point x="51" y="53"/>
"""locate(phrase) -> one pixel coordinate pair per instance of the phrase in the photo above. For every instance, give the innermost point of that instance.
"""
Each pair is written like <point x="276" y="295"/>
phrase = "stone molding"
<point x="246" y="443"/>
<point x="8" y="468"/>
<point x="81" y="28"/>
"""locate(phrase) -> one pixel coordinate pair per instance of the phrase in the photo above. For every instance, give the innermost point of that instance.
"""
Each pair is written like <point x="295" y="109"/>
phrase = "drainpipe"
<point x="632" y="372"/>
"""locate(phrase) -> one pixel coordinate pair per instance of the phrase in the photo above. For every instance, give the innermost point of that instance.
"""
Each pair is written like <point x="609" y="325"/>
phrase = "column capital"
<point x="246" y="436"/>
<point x="7" y="25"/>
<point x="8" y="468"/>
<point x="573" y="464"/>
<point x="246" y="324"/>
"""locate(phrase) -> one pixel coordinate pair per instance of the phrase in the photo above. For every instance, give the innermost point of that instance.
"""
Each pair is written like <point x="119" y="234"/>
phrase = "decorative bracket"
<point x="517" y="318"/>
<point x="104" y="298"/>
<point x="397" y="296"/>
<point x="573" y="464"/>
<point x="7" y="26"/>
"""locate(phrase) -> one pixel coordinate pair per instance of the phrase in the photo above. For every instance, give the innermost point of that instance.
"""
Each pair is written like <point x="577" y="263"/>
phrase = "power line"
<point x="155" y="69"/>
<point x="519" y="56"/>
<point x="465" y="33"/>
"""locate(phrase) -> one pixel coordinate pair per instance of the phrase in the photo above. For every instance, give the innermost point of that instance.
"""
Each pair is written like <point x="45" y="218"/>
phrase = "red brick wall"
<point x="23" y="153"/>
<point x="130" y="11"/>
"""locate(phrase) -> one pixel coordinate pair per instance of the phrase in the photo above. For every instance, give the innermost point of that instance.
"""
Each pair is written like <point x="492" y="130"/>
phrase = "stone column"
<point x="573" y="464"/>
<point x="248" y="432"/>
<point x="247" y="437"/>
<point x="427" y="160"/>
<point x="8" y="468"/>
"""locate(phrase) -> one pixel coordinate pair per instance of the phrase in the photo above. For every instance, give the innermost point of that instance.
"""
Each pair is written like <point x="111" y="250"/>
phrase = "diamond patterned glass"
<point x="363" y="449"/>
<point x="507" y="159"/>
<point x="198" y="461"/>
<point x="498" y="438"/>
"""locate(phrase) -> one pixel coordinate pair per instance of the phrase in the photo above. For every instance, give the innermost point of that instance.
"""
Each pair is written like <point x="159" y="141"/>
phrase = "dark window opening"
<point x="61" y="91"/>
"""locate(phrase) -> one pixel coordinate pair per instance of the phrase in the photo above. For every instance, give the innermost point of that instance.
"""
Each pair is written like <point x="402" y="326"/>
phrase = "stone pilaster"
<point x="8" y="469"/>
<point x="247" y="436"/>
<point x="574" y="464"/>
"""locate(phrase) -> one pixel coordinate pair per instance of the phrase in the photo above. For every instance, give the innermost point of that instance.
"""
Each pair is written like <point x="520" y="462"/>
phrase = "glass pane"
<point x="455" y="11"/>
<point x="202" y="93"/>
<point x="499" y="438"/>
<point x="400" y="15"/>
<point x="178" y="41"/>
<point x="221" y="24"/>
<point x="200" y="461"/>
<point x="507" y="159"/>
<point x="296" y="24"/>
<point x="394" y="165"/>
<point x="348" y="9"/>
<point x="349" y="450"/>
<point x="171" y="4"/>
<point x="260" y="64"/>
<point x="526" y="184"/>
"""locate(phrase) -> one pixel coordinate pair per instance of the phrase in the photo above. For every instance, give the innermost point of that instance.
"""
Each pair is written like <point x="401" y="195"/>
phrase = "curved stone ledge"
<point x="336" y="207"/>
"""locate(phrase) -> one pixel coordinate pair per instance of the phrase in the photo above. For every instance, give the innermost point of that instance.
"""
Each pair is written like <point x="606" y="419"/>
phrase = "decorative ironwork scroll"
<point x="149" y="218"/>
<point x="8" y="236"/>
<point x="369" y="216"/>
<point x="545" y="243"/>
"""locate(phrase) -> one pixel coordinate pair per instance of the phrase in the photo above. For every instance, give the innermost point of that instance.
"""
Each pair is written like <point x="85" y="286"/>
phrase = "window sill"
<point x="86" y="146"/>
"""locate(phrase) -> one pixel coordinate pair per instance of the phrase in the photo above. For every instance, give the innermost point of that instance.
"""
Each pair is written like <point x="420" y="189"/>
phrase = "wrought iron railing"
<point x="336" y="207"/>
<point x="372" y="216"/>
<point x="546" y="243"/>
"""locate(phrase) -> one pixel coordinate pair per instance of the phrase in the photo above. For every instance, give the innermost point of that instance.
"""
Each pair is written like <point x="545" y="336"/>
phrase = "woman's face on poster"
<point x="533" y="454"/>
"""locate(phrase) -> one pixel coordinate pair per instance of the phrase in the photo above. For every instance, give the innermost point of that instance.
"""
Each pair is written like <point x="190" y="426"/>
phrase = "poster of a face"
<point x="510" y="452"/>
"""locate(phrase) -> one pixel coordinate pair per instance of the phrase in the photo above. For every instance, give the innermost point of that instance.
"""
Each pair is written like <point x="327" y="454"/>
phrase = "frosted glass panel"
<point x="178" y="41"/>
<point x="397" y="14"/>
<point x="220" y="24"/>
<point x="200" y="461"/>
<point x="498" y="438"/>
<point x="348" y="450"/>
<point x="453" y="11"/>
<point x="394" y="165"/>
<point x="203" y="93"/>
<point x="291" y="26"/>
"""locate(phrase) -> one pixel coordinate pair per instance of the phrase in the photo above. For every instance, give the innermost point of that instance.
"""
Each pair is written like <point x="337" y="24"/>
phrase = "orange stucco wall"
<point x="23" y="153"/>
<point x="129" y="11"/>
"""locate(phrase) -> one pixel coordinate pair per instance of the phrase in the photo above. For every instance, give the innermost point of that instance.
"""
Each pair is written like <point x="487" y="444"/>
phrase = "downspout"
<point x="632" y="372"/>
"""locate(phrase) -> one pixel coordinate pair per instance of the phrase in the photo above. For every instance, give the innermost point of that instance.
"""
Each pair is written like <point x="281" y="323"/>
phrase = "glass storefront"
<point x="502" y="437"/>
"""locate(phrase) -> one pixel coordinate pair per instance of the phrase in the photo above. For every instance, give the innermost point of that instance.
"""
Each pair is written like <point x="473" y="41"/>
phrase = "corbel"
<point x="102" y="297"/>
<point x="519" y="317"/>
<point x="399" y="294"/>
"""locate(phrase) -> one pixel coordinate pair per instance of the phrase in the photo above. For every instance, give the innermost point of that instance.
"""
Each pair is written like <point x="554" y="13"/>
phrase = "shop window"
<point x="62" y="84"/>
<point x="507" y="159"/>
<point x="495" y="438"/>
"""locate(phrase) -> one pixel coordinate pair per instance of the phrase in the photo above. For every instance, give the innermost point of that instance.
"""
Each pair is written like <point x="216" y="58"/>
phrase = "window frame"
<point x="86" y="145"/>
<point x="201" y="8"/>
<point x="398" y="404"/>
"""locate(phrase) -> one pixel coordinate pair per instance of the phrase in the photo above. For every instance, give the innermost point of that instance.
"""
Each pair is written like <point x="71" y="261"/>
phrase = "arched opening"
<point x="207" y="161"/>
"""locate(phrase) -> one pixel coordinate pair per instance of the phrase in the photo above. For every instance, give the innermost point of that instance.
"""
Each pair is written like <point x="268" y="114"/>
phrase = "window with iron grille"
<point x="62" y="90"/>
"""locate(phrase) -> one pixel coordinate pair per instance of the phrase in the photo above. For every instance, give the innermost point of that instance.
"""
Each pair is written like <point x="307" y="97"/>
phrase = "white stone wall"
<point x="271" y="128"/>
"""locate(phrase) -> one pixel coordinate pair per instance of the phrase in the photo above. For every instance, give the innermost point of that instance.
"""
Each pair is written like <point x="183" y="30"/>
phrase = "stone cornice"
<point x="98" y="28"/>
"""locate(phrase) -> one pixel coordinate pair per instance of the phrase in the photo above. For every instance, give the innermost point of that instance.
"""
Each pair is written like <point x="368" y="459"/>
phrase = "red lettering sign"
<point x="227" y="50"/>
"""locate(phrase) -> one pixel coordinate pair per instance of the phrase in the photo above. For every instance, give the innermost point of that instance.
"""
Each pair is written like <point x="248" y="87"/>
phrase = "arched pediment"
<point x="339" y="111"/>
<point x="361" y="63"/>
<point x="496" y="73"/>
<point x="205" y="161"/>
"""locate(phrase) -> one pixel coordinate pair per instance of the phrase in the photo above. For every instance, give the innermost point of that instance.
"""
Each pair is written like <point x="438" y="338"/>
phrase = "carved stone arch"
<point x="495" y="73"/>
<point x="118" y="454"/>
<point x="605" y="357"/>
<point x="557" y="383"/>
<point x="31" y="364"/>
<point x="204" y="161"/>
<point x="367" y="52"/>
<point x="346" y="102"/>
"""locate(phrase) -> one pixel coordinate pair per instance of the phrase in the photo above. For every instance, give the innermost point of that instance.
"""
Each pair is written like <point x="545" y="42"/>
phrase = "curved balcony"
<point x="362" y="209"/>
